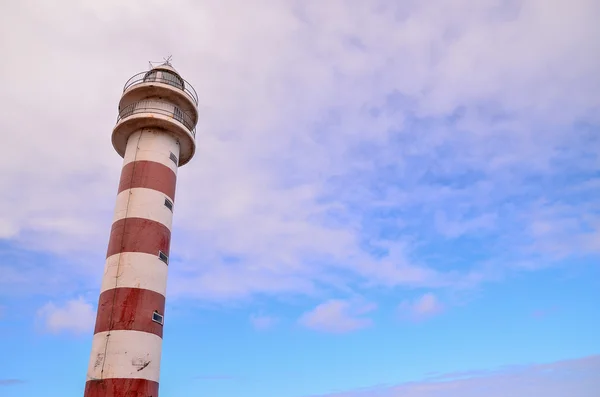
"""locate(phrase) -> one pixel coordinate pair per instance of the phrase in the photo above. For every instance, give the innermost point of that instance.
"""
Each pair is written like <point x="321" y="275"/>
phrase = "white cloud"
<point x="423" y="307"/>
<point x="263" y="322"/>
<point x="305" y="109"/>
<point x="75" y="316"/>
<point x="338" y="316"/>
<point x="578" y="377"/>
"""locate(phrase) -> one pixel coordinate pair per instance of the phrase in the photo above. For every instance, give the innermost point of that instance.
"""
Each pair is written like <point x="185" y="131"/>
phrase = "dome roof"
<point x="166" y="66"/>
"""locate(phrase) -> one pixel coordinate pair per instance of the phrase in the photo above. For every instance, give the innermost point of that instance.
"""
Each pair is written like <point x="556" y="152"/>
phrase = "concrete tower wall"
<point x="155" y="135"/>
<point x="126" y="347"/>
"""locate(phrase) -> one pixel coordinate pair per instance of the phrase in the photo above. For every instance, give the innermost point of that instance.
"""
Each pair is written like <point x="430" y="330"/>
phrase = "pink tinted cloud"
<point x="426" y="306"/>
<point x="578" y="377"/>
<point x="338" y="316"/>
<point x="543" y="313"/>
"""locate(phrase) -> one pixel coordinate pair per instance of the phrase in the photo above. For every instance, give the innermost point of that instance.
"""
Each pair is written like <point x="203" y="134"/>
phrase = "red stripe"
<point x="129" y="309"/>
<point x="138" y="235"/>
<point x="150" y="175"/>
<point x="117" y="387"/>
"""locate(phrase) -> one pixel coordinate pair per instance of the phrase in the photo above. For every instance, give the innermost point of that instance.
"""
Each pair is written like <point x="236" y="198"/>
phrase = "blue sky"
<point x="391" y="199"/>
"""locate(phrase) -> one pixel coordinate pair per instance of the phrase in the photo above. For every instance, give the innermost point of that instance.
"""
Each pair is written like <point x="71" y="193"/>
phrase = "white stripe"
<point x="135" y="270"/>
<point x="153" y="145"/>
<point x="125" y="355"/>
<point x="143" y="203"/>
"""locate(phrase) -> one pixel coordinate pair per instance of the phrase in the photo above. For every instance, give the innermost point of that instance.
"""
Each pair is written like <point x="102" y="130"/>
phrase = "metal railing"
<point x="165" y="77"/>
<point x="163" y="108"/>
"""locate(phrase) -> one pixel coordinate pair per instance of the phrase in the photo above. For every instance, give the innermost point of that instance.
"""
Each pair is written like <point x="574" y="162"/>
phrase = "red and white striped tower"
<point x="154" y="134"/>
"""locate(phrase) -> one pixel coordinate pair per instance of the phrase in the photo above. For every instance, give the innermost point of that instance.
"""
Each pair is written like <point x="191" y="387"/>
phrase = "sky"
<point x="388" y="198"/>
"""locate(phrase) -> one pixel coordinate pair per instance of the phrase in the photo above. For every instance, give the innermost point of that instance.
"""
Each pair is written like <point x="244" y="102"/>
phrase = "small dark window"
<point x="151" y="76"/>
<point x="163" y="257"/>
<point x="178" y="115"/>
<point x="174" y="158"/>
<point x="158" y="318"/>
<point x="168" y="204"/>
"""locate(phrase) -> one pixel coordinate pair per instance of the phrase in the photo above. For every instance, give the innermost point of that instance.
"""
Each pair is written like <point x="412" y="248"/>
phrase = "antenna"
<point x="166" y="61"/>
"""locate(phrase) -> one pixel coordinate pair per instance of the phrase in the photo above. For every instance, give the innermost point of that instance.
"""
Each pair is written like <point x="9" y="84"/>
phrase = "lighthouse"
<point x="155" y="135"/>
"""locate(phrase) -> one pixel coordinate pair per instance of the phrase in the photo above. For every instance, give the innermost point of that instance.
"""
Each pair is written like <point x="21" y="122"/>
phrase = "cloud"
<point x="10" y="382"/>
<point x="338" y="316"/>
<point x="457" y="228"/>
<point x="544" y="313"/>
<point x="337" y="144"/>
<point x="563" y="378"/>
<point x="262" y="322"/>
<point x="425" y="306"/>
<point x="76" y="316"/>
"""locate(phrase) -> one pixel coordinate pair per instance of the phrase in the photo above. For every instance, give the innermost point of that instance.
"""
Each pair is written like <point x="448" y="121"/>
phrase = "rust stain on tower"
<point x="155" y="135"/>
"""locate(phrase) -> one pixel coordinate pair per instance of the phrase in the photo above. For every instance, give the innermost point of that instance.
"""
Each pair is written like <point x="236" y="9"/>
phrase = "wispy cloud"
<point x="456" y="228"/>
<point x="337" y="145"/>
<point x="75" y="316"/>
<point x="338" y="316"/>
<point x="421" y="308"/>
<point x="263" y="322"/>
<point x="563" y="378"/>
<point x="543" y="313"/>
<point x="10" y="382"/>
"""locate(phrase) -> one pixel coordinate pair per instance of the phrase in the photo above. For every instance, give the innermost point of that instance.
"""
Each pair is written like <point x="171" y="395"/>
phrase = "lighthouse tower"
<point x="154" y="134"/>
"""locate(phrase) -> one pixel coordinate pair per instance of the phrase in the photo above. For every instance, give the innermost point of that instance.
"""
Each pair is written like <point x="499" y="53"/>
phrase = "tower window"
<point x="169" y="204"/>
<point x="174" y="158"/>
<point x="163" y="257"/>
<point x="158" y="318"/>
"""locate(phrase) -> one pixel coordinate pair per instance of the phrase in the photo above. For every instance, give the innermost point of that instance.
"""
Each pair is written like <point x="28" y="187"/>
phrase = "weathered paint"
<point x="129" y="309"/>
<point x="127" y="342"/>
<point x="152" y="145"/>
<point x="121" y="387"/>
<point x="126" y="348"/>
<point x="138" y="235"/>
<point x="135" y="270"/>
<point x="143" y="203"/>
<point x="150" y="175"/>
<point x="130" y="355"/>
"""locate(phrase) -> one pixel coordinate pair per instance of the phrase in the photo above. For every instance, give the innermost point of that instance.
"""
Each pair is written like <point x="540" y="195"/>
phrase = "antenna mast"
<point x="165" y="61"/>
